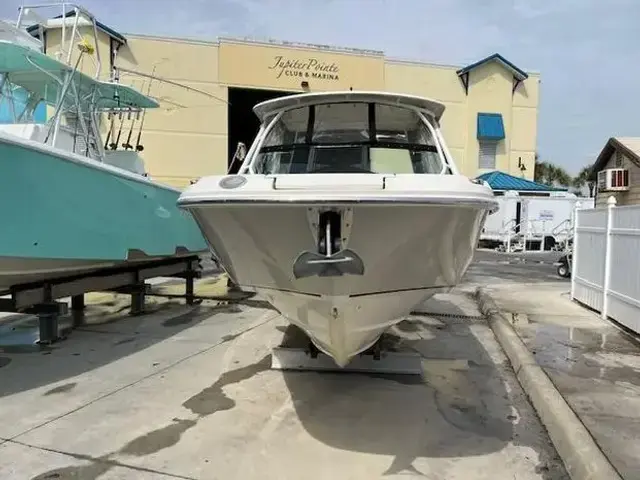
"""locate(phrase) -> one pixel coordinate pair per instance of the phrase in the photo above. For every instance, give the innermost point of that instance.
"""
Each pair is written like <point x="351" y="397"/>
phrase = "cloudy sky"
<point x="587" y="51"/>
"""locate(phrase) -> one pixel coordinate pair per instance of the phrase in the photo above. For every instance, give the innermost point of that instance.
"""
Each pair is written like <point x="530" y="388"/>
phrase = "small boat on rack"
<point x="347" y="211"/>
<point x="71" y="203"/>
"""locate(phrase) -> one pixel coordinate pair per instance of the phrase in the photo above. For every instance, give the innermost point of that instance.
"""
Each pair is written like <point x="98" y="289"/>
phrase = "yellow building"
<point x="489" y="122"/>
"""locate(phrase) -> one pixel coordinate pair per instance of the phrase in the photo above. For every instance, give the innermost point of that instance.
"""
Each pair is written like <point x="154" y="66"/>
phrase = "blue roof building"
<point x="502" y="182"/>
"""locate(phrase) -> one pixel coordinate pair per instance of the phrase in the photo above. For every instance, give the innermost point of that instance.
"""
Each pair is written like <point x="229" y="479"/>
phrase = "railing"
<point x="562" y="228"/>
<point x="513" y="230"/>
<point x="535" y="230"/>
<point x="27" y="14"/>
<point x="605" y="262"/>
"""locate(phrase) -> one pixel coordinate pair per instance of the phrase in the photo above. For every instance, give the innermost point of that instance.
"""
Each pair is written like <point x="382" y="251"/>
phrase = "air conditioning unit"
<point x="613" y="180"/>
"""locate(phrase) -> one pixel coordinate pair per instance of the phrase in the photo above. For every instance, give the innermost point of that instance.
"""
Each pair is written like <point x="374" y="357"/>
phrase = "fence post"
<point x="611" y="203"/>
<point x="574" y="250"/>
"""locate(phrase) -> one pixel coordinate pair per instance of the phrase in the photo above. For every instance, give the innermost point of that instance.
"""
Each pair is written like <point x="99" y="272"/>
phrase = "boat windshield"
<point x="349" y="137"/>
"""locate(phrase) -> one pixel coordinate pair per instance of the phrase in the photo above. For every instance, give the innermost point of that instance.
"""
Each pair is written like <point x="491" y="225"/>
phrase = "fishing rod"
<point x="132" y="122"/>
<point x="127" y="145"/>
<point x="139" y="147"/>
<point x="114" y="145"/>
<point x="110" y="116"/>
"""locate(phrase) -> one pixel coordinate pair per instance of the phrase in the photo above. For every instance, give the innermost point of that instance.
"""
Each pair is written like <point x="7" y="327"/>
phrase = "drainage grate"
<point x="450" y="315"/>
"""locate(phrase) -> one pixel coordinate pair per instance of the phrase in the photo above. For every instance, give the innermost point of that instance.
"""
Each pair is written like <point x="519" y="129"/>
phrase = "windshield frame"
<point x="447" y="167"/>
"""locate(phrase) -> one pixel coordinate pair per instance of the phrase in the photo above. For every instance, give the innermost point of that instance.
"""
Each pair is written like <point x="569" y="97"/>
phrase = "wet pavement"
<point x="488" y="256"/>
<point x="594" y="364"/>
<point x="187" y="392"/>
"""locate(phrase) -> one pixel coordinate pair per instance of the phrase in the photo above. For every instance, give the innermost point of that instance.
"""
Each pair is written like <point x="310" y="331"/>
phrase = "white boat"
<point x="347" y="211"/>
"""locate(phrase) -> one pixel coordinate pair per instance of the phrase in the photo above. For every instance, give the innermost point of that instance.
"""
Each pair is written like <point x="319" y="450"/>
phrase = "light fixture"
<point x="521" y="165"/>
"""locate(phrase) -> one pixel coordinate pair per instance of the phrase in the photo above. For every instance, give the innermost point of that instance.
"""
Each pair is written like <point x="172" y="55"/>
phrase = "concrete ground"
<point x="485" y="255"/>
<point x="592" y="363"/>
<point x="187" y="392"/>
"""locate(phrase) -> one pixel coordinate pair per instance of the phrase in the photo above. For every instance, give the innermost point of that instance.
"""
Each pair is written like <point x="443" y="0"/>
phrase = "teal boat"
<point x="71" y="201"/>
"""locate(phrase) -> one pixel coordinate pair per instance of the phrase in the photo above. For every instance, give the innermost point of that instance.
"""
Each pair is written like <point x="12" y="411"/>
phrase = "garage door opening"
<point x="242" y="122"/>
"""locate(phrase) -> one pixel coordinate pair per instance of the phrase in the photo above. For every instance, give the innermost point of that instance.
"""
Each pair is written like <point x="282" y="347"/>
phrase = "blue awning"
<point x="490" y="126"/>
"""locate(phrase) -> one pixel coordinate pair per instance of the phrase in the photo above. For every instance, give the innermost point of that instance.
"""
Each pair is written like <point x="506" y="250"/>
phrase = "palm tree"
<point x="559" y="176"/>
<point x="540" y="169"/>
<point x="550" y="174"/>
<point x="584" y="178"/>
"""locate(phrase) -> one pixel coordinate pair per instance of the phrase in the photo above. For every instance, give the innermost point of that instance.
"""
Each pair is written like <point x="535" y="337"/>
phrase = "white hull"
<point x="360" y="323"/>
<point x="409" y="252"/>
<point x="347" y="212"/>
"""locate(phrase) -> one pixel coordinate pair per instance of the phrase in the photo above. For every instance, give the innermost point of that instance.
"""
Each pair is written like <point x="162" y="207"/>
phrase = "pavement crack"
<point x="97" y="466"/>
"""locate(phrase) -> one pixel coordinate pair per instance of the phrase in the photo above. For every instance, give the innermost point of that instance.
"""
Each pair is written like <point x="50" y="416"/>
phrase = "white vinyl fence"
<point x="606" y="262"/>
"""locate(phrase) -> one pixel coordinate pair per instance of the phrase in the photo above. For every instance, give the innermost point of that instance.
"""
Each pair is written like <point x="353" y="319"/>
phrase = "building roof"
<point x="262" y="110"/>
<point x="499" y="181"/>
<point x="496" y="57"/>
<point x="33" y="29"/>
<point x="630" y="146"/>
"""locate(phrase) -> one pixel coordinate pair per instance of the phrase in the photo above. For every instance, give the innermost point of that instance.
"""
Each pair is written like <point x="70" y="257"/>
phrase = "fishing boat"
<point x="72" y="202"/>
<point x="347" y="211"/>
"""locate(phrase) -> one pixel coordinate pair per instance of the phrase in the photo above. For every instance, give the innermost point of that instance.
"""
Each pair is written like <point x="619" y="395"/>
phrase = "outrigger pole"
<point x="160" y="79"/>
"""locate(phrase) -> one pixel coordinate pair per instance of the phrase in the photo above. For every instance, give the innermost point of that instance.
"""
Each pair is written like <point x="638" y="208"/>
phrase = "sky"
<point x="587" y="51"/>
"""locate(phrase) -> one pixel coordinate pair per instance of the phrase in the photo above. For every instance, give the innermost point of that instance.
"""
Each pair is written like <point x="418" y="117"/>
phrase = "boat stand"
<point x="39" y="298"/>
<point x="375" y="360"/>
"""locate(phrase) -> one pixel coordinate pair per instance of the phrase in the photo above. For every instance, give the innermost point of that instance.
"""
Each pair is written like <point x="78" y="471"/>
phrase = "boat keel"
<point x="379" y="361"/>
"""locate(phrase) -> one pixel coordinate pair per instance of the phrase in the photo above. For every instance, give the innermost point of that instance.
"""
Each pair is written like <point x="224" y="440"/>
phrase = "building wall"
<point x="88" y="63"/>
<point x="442" y="84"/>
<point x="187" y="137"/>
<point x="631" y="196"/>
<point x="274" y="67"/>
<point x="490" y="90"/>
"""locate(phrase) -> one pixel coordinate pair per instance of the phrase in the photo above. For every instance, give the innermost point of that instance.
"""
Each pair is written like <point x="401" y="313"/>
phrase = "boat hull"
<point x="20" y="271"/>
<point x="409" y="253"/>
<point x="65" y="215"/>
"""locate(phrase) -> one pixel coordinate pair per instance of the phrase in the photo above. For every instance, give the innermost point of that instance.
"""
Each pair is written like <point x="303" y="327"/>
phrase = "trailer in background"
<point x="532" y="222"/>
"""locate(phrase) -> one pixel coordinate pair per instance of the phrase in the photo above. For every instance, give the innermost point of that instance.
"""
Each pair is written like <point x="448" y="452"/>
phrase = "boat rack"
<point x="40" y="298"/>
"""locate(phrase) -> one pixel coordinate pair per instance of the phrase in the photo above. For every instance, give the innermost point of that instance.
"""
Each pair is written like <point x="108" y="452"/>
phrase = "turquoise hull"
<point x="55" y="208"/>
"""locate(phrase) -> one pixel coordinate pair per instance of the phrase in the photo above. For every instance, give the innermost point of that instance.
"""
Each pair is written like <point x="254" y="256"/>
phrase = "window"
<point x="341" y="123"/>
<point x="349" y="137"/>
<point x="618" y="161"/>
<point x="487" y="154"/>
